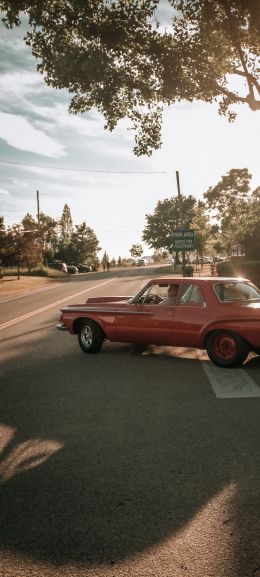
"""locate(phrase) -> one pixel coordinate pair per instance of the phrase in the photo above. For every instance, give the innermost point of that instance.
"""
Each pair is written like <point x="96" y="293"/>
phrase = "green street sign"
<point x="183" y="239"/>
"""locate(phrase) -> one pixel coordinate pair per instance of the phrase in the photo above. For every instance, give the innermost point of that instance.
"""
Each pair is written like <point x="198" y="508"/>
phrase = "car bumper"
<point x="61" y="327"/>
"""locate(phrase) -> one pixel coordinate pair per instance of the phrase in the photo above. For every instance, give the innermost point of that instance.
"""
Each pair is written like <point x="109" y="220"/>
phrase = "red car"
<point x="221" y="315"/>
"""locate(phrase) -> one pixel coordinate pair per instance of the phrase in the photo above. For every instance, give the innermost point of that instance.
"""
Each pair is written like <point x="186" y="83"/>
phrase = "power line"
<point x="83" y="169"/>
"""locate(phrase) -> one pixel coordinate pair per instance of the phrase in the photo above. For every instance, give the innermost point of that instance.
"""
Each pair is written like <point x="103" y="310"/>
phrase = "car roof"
<point x="201" y="279"/>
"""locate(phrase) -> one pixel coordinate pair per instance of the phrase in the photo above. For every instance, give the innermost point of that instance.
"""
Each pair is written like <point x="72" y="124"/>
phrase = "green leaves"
<point x="136" y="250"/>
<point x="236" y="208"/>
<point x="112" y="56"/>
<point x="158" y="230"/>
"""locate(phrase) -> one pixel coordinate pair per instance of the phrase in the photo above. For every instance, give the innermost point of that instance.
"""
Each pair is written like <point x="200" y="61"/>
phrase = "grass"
<point x="40" y="271"/>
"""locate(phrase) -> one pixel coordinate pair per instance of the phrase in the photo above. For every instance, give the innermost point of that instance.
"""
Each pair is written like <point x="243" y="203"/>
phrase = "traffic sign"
<point x="183" y="239"/>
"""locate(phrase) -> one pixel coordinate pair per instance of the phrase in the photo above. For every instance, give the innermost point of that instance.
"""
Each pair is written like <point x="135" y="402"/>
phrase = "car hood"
<point x="98" y="300"/>
<point x="100" y="304"/>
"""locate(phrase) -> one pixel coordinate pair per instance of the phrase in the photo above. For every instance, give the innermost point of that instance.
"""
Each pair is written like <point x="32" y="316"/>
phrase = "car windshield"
<point x="237" y="291"/>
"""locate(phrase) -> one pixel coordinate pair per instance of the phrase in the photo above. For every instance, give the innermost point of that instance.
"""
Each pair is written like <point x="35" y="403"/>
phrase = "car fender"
<point x="238" y="326"/>
<point x="106" y="321"/>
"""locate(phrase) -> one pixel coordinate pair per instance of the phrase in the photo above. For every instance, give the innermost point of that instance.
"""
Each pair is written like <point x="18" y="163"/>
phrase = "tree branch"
<point x="253" y="79"/>
<point x="250" y="99"/>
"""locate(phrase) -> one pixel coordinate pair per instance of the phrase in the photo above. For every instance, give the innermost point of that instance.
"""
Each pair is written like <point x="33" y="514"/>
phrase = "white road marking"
<point x="43" y="309"/>
<point x="230" y="383"/>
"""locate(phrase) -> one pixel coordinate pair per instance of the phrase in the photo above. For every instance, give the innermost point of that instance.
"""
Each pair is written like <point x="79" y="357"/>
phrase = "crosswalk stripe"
<point x="230" y="383"/>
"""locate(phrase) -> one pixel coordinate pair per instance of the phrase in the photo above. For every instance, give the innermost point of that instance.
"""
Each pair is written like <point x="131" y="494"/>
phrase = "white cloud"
<point x="4" y="192"/>
<point x="19" y="133"/>
<point x="91" y="124"/>
<point x="15" y="87"/>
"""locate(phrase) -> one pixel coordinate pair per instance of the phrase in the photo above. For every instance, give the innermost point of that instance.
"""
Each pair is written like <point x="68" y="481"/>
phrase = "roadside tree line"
<point x="226" y="221"/>
<point x="32" y="242"/>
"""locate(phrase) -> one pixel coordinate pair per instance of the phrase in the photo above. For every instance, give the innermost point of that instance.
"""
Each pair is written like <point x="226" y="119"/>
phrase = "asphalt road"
<point x="127" y="462"/>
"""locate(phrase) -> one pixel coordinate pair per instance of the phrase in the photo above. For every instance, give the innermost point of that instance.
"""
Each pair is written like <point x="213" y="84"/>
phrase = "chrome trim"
<point x="105" y="311"/>
<point x="61" y="327"/>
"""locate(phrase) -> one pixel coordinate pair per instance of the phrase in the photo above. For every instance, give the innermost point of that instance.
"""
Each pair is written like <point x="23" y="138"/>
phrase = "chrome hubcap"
<point x="86" y="336"/>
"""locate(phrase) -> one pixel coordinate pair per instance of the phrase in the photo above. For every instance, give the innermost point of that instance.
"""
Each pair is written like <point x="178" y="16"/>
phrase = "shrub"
<point x="245" y="268"/>
<point x="41" y="271"/>
<point x="53" y="273"/>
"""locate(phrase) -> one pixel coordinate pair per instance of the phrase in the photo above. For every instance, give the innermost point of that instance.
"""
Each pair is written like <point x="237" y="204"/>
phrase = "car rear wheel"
<point x="226" y="349"/>
<point x="90" y="337"/>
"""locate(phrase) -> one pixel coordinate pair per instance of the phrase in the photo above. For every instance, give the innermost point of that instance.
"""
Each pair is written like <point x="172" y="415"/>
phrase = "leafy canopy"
<point x="112" y="55"/>
<point x="166" y="217"/>
<point x="136" y="250"/>
<point x="237" y="210"/>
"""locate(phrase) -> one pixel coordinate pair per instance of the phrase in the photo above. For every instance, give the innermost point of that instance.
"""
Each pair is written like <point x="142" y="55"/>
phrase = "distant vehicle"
<point x="141" y="262"/>
<point x="219" y="314"/>
<point x="83" y="268"/>
<point x="218" y="258"/>
<point x="201" y="260"/>
<point x="58" y="265"/>
<point x="72" y="269"/>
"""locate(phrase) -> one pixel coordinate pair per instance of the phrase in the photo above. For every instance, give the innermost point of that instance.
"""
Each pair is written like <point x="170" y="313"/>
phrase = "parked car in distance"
<point x="219" y="314"/>
<point x="201" y="260"/>
<point x="72" y="269"/>
<point x="58" y="265"/>
<point x="83" y="268"/>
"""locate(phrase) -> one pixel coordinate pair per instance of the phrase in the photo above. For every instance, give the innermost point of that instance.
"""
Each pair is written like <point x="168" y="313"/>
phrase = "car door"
<point x="146" y="322"/>
<point x="191" y="314"/>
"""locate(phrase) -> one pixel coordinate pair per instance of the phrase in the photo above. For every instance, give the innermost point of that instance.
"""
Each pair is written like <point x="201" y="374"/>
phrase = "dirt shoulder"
<point x="10" y="286"/>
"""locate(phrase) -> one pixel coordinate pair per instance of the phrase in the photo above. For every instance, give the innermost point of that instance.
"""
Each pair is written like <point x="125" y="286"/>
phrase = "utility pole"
<point x="38" y="206"/>
<point x="180" y="212"/>
<point x="179" y="198"/>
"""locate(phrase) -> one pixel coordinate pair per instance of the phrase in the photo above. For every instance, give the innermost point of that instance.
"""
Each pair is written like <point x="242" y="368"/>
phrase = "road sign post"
<point x="183" y="239"/>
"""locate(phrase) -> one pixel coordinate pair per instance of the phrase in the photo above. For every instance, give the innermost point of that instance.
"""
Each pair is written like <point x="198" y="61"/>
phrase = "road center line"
<point x="230" y="383"/>
<point x="47" y="307"/>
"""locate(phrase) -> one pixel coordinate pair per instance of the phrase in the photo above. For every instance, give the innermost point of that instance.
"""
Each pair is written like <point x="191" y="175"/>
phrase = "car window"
<point x="191" y="293"/>
<point x="236" y="291"/>
<point x="155" y="294"/>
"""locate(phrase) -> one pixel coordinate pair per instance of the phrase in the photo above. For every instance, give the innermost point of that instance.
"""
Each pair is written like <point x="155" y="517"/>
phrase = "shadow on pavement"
<point x="138" y="445"/>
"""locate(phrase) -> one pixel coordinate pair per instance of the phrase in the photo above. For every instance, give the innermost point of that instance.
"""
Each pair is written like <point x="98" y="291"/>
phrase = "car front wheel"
<point x="90" y="337"/>
<point x="226" y="349"/>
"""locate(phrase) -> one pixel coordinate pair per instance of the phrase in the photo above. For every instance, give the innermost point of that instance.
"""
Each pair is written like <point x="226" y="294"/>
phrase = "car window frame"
<point x="192" y="303"/>
<point x="234" y="282"/>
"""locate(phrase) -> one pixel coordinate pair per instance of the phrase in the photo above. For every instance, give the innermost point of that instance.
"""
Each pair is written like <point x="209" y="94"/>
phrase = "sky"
<point x="72" y="159"/>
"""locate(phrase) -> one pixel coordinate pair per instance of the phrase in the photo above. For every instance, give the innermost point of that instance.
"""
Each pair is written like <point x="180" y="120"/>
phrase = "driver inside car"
<point x="172" y="292"/>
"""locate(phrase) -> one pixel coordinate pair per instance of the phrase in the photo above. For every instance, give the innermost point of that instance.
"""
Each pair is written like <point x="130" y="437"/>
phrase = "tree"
<point x="113" y="263"/>
<point x="136" y="250"/>
<point x="83" y="246"/>
<point x="114" y="56"/>
<point x="105" y="261"/>
<point x="2" y="238"/>
<point x="158" y="230"/>
<point x="202" y="226"/>
<point x="48" y="236"/>
<point x="66" y="227"/>
<point x="229" y="201"/>
<point x="22" y="246"/>
<point x="252" y="226"/>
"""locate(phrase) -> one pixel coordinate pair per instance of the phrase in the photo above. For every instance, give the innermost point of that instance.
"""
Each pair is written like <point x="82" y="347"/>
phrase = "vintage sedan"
<point x="221" y="315"/>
